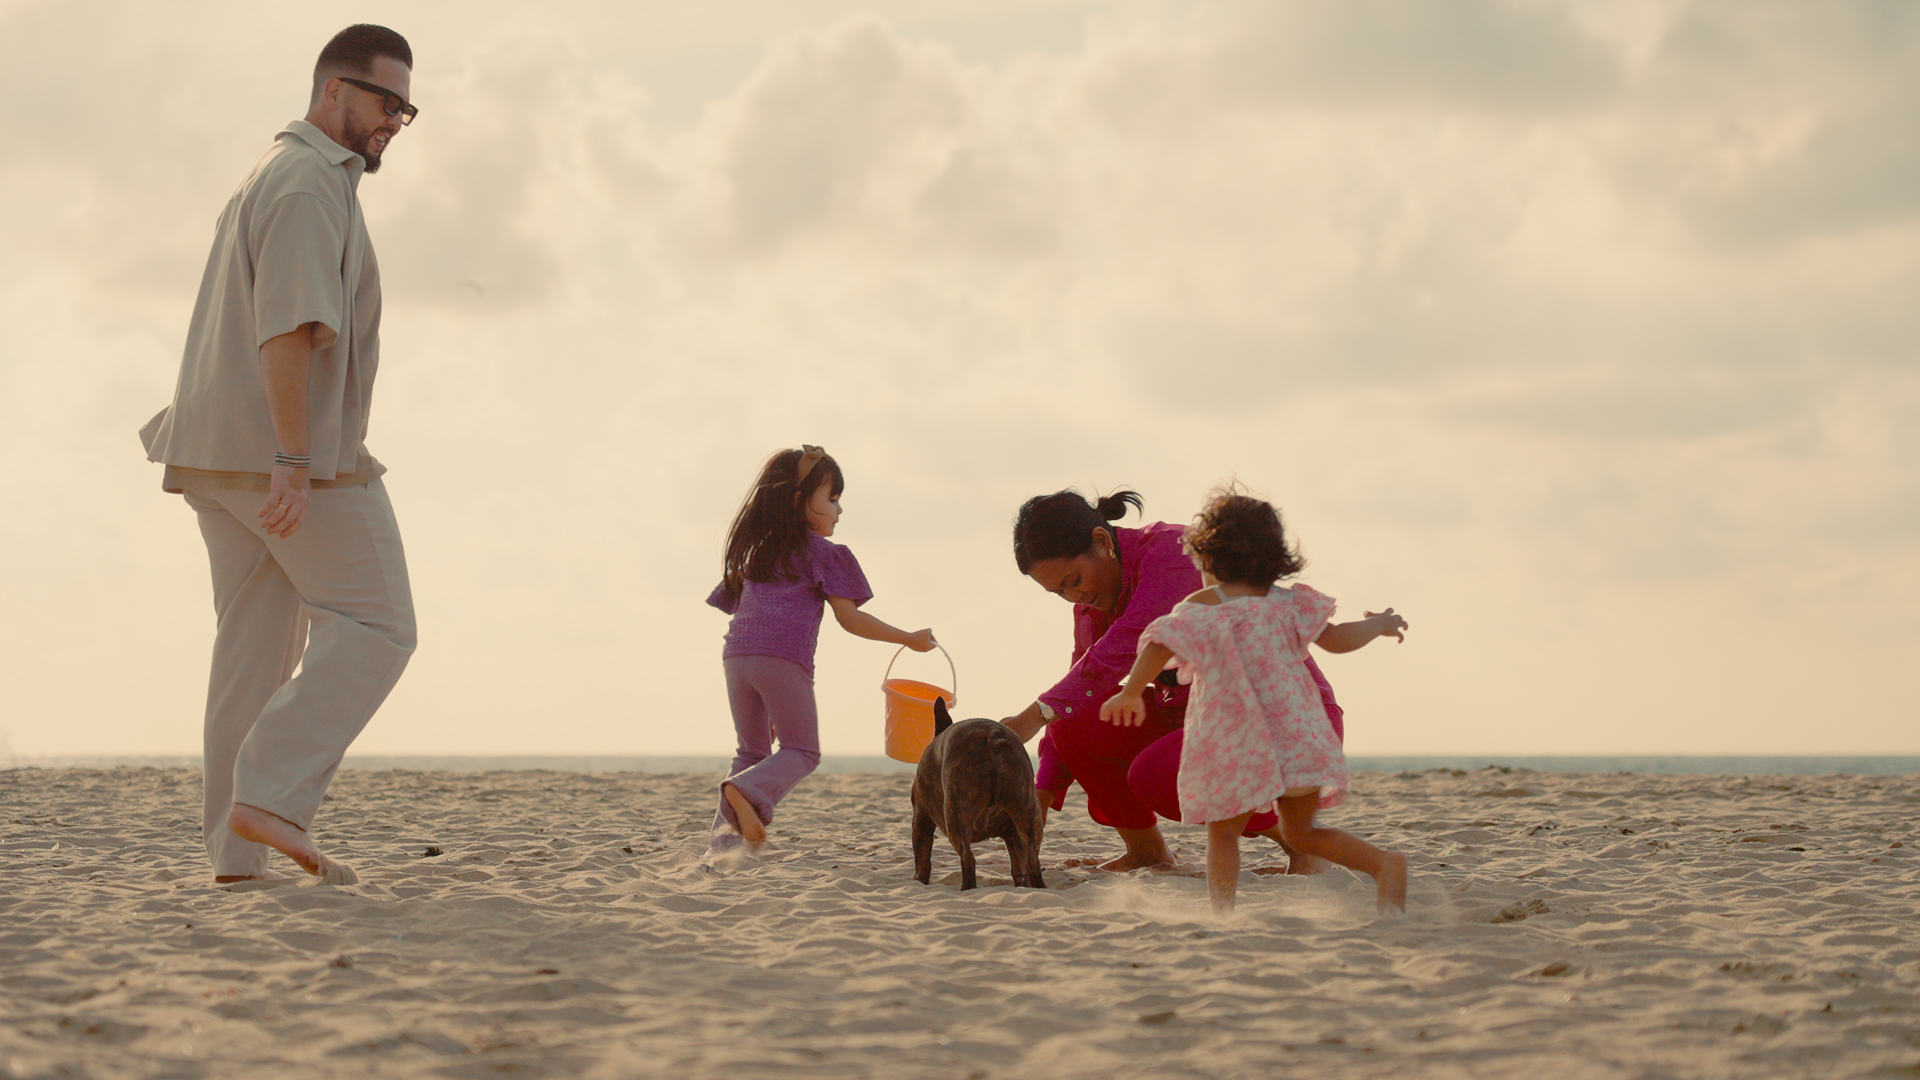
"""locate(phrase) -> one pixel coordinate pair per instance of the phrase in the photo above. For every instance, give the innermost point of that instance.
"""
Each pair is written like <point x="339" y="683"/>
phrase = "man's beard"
<point x="360" y="141"/>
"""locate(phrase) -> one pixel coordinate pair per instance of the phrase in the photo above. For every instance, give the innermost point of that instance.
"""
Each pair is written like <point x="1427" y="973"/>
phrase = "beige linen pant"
<point x="332" y="600"/>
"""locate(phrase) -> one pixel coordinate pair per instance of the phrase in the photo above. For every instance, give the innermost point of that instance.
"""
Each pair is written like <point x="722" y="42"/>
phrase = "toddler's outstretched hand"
<point x="1125" y="709"/>
<point x="922" y="640"/>
<point x="1389" y="625"/>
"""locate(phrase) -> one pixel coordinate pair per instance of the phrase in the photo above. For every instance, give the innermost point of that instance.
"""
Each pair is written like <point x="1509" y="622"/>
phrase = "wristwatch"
<point x="1046" y="712"/>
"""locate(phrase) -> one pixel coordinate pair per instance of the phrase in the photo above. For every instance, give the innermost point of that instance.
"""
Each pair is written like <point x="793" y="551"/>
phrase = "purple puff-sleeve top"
<point x="782" y="618"/>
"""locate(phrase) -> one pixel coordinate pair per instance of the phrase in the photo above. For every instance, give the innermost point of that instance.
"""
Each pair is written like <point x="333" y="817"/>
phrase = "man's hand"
<point x="285" y="363"/>
<point x="288" y="493"/>
<point x="1128" y="708"/>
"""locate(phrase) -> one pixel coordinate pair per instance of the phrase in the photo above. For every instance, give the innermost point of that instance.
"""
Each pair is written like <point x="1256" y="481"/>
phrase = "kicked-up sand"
<point x="531" y="924"/>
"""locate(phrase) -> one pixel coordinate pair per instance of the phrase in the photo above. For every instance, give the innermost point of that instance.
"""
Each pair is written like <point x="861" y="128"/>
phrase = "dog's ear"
<point x="941" y="721"/>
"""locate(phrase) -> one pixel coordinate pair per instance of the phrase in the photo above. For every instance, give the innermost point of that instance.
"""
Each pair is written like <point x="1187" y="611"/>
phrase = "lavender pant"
<point x="771" y="698"/>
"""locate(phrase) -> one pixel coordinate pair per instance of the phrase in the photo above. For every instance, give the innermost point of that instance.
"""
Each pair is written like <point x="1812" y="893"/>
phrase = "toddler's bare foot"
<point x="752" y="829"/>
<point x="261" y="827"/>
<point x="1391" y="883"/>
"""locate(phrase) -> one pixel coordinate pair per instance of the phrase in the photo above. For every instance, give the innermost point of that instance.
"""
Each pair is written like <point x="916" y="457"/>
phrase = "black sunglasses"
<point x="395" y="105"/>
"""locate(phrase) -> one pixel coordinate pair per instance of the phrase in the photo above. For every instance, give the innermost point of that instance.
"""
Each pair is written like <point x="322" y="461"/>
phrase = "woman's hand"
<point x="920" y="641"/>
<point x="1047" y="799"/>
<point x="1128" y="708"/>
<point x="1026" y="723"/>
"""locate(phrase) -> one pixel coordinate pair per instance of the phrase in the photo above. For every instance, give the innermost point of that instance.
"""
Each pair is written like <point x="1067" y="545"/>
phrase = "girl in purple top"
<point x="781" y="573"/>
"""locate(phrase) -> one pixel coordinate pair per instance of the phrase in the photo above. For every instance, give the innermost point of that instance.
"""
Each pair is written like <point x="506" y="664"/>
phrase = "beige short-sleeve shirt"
<point x="290" y="248"/>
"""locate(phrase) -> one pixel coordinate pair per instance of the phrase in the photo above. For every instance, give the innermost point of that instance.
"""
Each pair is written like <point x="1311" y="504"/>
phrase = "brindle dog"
<point x="976" y="782"/>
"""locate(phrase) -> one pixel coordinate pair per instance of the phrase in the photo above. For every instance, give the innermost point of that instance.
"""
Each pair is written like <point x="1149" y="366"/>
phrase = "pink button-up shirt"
<point x="1155" y="574"/>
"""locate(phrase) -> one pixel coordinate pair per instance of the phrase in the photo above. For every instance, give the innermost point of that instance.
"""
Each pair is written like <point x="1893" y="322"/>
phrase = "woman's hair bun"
<point x="1114" y="507"/>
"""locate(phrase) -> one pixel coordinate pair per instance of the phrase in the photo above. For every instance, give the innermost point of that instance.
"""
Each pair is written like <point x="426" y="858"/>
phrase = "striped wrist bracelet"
<point x="293" y="461"/>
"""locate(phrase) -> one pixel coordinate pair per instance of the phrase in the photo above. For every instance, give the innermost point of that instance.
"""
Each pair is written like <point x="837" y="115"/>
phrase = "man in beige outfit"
<point x="266" y="439"/>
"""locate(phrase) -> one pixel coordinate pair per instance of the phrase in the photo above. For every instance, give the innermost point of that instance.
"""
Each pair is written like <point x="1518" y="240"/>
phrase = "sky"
<point x="1572" y="330"/>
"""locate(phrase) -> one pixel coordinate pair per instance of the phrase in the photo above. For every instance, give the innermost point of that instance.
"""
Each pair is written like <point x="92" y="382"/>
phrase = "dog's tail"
<point x="1013" y="790"/>
<point x="1002" y="741"/>
<point x="941" y="721"/>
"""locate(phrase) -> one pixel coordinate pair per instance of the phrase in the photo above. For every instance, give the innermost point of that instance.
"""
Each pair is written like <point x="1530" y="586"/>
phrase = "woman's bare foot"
<point x="1390" y="884"/>
<point x="1146" y="850"/>
<point x="261" y="827"/>
<point x="1130" y="862"/>
<point x="1122" y="865"/>
<point x="752" y="829"/>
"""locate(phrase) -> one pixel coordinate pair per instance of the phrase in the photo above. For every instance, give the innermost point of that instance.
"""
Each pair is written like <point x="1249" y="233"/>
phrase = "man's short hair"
<point x="354" y="50"/>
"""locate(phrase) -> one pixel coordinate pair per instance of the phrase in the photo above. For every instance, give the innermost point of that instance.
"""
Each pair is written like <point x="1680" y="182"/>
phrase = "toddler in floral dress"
<point x="1256" y="729"/>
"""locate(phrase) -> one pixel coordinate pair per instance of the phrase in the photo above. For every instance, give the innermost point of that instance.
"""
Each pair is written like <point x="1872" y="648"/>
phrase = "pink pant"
<point x="771" y="698"/>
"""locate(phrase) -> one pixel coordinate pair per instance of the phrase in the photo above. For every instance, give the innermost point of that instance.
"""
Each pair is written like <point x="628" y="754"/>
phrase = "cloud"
<point x="1493" y="56"/>
<point x="858" y="135"/>
<point x="1542" y="321"/>
<point x="524" y="137"/>
<point x="1505" y="59"/>
<point x="1773" y="123"/>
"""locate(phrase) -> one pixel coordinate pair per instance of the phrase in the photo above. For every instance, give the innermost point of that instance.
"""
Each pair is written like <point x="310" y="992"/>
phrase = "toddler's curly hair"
<point x="1239" y="538"/>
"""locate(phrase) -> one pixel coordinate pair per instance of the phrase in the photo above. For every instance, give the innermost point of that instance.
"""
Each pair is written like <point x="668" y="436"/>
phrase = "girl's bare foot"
<point x="1390" y="883"/>
<point x="752" y="829"/>
<point x="261" y="827"/>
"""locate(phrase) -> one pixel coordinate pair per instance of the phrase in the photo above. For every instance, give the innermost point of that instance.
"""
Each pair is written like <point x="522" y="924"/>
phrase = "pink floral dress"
<point x="1256" y="727"/>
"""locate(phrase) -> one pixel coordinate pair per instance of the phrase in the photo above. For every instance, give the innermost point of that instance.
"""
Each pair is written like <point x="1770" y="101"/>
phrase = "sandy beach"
<point x="559" y="924"/>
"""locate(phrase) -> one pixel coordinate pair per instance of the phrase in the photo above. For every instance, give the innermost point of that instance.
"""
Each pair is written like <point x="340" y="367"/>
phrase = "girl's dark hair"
<point x="1060" y="525"/>
<point x="1240" y="538"/>
<point x="770" y="531"/>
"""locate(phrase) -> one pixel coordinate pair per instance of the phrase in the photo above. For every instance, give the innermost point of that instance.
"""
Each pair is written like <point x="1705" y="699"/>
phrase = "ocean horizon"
<point x="1660" y="765"/>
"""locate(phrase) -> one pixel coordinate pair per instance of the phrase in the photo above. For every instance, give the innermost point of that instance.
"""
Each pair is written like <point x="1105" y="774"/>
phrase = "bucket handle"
<point x="950" y="668"/>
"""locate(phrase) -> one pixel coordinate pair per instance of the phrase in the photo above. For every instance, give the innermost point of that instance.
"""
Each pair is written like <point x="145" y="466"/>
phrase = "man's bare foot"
<point x="1390" y="883"/>
<point x="261" y="827"/>
<point x="752" y="829"/>
<point x="229" y="879"/>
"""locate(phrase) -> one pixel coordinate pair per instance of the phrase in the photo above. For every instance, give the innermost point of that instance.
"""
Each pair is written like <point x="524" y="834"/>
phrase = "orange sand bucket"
<point x="910" y="709"/>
